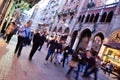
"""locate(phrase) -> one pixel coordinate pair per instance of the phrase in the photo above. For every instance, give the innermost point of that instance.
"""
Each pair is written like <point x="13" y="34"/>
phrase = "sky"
<point x="110" y="1"/>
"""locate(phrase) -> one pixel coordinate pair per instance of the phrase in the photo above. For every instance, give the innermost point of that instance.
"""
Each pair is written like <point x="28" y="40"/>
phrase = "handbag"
<point x="73" y="63"/>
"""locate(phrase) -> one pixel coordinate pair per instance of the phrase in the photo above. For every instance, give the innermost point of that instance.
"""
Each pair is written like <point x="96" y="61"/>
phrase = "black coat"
<point x="38" y="40"/>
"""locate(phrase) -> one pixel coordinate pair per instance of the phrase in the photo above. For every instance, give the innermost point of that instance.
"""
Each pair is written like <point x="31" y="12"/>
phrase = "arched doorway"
<point x="97" y="42"/>
<point x="74" y="35"/>
<point x="65" y="34"/>
<point x="84" y="39"/>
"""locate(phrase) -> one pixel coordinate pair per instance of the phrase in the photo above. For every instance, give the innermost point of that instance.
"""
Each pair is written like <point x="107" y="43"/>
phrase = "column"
<point x="89" y="45"/>
<point x="68" y="39"/>
<point x="76" y="42"/>
<point x="100" y="16"/>
<point x="90" y="42"/>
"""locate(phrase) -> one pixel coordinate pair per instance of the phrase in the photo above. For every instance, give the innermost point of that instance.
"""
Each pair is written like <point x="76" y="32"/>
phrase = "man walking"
<point x="23" y="33"/>
<point x="38" y="39"/>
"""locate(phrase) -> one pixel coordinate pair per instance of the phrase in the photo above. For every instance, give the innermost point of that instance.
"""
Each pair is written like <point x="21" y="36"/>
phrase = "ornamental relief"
<point x="115" y="37"/>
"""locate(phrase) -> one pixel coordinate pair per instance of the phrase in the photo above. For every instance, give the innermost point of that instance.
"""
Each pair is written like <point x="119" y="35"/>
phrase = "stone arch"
<point x="91" y="18"/>
<point x="96" y="17"/>
<point x="84" y="39"/>
<point x="97" y="41"/>
<point x="109" y="17"/>
<point x="74" y="35"/>
<point x="103" y="18"/>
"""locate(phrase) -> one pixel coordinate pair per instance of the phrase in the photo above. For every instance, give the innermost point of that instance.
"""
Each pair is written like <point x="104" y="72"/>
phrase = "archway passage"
<point x="84" y="39"/>
<point x="97" y="42"/>
<point x="65" y="34"/>
<point x="74" y="35"/>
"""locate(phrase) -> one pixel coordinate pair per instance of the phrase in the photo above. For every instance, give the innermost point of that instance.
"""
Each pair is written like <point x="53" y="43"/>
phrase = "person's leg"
<point x="40" y="47"/>
<point x="63" y="61"/>
<point x="70" y="70"/>
<point x="95" y="73"/>
<point x="9" y="37"/>
<point x="33" y="50"/>
<point x="77" y="74"/>
<point x="20" y="46"/>
<point x="18" y="43"/>
<point x="48" y="54"/>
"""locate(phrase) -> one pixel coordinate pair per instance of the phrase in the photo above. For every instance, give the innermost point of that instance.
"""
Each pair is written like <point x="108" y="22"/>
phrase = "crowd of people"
<point x="84" y="61"/>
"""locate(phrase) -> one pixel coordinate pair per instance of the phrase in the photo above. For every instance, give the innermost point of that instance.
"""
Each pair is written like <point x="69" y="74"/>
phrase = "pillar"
<point x="76" y="42"/>
<point x="90" y="42"/>
<point x="68" y="39"/>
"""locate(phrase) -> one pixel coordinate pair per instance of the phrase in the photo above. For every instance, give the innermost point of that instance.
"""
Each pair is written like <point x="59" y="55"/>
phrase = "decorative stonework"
<point x="115" y="37"/>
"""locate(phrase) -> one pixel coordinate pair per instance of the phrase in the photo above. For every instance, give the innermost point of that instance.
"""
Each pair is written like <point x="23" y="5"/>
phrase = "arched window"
<point x="83" y="18"/>
<point x="109" y="17"/>
<point x="79" y="19"/>
<point x="103" y="18"/>
<point x="87" y="18"/>
<point x="96" y="17"/>
<point x="91" y="18"/>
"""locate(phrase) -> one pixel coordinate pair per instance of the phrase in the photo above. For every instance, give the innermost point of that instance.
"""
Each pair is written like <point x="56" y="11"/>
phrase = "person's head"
<point x="12" y="23"/>
<point x="28" y="24"/>
<point x="88" y="53"/>
<point x="80" y="50"/>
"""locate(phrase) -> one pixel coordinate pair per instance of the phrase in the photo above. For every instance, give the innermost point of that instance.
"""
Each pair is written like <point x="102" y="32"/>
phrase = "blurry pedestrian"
<point x="73" y="63"/>
<point x="90" y="62"/>
<point x="80" y="52"/>
<point x="51" y="47"/>
<point x="42" y="40"/>
<point x="67" y="50"/>
<point x="95" y="68"/>
<point x="38" y="39"/>
<point x="9" y="32"/>
<point x="24" y="33"/>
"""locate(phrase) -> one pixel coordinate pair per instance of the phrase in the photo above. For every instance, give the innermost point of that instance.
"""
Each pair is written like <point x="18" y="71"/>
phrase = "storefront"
<point x="112" y="50"/>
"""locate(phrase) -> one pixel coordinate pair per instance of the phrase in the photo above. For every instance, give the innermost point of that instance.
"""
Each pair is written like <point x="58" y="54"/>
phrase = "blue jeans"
<point x="93" y="70"/>
<point x="50" y="52"/>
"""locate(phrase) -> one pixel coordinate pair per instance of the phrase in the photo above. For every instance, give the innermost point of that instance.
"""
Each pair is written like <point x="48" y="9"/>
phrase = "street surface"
<point x="13" y="68"/>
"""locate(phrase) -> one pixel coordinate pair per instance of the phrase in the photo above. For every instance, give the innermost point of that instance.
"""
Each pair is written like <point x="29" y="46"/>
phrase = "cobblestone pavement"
<point x="13" y="68"/>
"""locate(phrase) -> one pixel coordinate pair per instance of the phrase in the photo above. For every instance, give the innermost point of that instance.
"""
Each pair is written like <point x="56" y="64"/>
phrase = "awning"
<point x="113" y="45"/>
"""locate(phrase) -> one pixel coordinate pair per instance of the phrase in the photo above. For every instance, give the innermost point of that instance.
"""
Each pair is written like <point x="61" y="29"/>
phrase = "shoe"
<point x="68" y="76"/>
<point x="45" y="62"/>
<point x="30" y="59"/>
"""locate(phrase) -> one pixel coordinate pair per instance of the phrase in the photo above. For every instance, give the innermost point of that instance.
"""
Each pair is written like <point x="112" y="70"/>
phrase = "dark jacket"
<point x="37" y="39"/>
